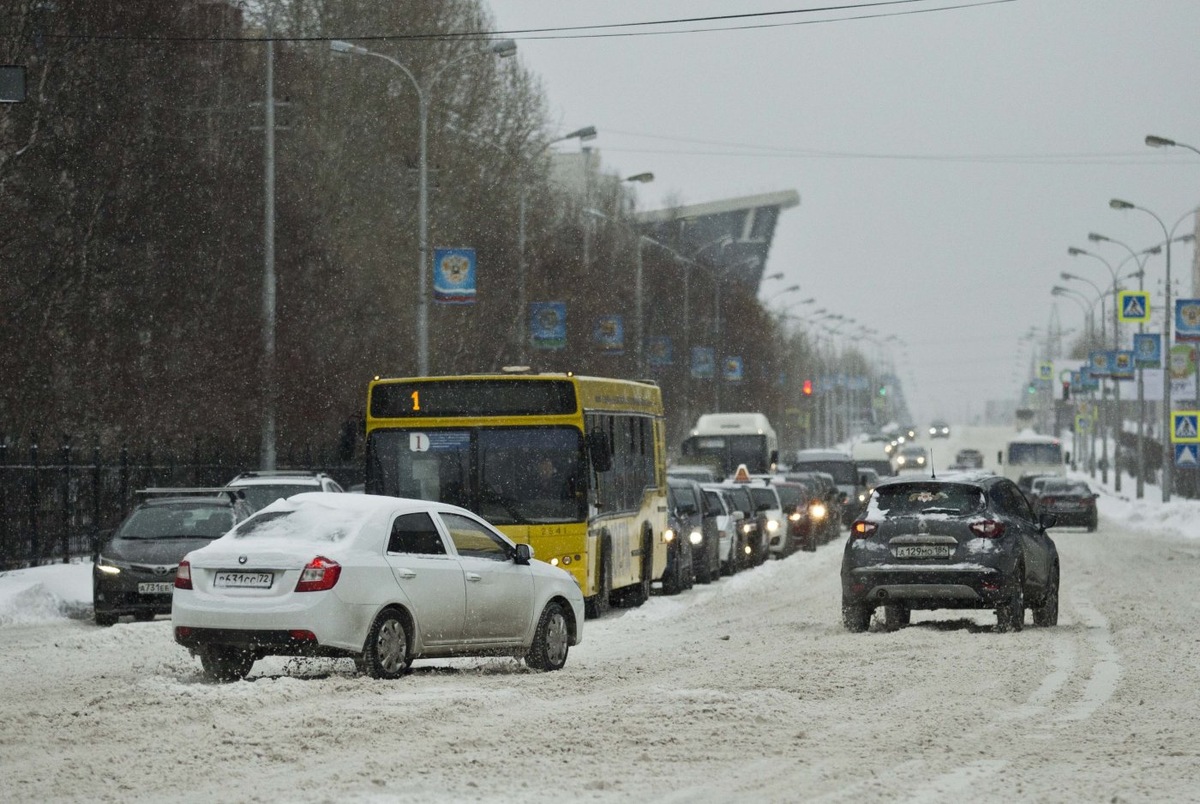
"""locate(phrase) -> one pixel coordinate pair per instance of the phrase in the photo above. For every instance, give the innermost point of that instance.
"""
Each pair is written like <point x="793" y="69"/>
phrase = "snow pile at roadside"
<point x="41" y="594"/>
<point x="1180" y="517"/>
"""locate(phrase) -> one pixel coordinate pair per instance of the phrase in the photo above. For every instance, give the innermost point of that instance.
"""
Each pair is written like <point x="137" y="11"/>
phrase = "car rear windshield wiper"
<point x="936" y="510"/>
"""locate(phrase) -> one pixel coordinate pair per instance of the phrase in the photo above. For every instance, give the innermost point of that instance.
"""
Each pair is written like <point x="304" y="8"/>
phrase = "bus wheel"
<point x="598" y="604"/>
<point x="639" y="593"/>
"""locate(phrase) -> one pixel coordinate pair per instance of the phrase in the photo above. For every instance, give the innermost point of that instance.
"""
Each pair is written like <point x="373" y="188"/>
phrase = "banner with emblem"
<point x="704" y="362"/>
<point x="1147" y="349"/>
<point x="548" y="325"/>
<point x="1187" y="319"/>
<point x="732" y="369"/>
<point x="659" y="351"/>
<point x="454" y="275"/>
<point x="609" y="334"/>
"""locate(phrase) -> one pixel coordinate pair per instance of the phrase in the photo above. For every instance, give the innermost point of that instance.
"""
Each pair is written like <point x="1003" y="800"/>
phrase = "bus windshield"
<point x="727" y="452"/>
<point x="1035" y="454"/>
<point x="509" y="475"/>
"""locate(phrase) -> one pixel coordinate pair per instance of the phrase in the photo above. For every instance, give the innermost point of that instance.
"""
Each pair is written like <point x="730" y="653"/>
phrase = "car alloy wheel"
<point x="386" y="651"/>
<point x="551" y="641"/>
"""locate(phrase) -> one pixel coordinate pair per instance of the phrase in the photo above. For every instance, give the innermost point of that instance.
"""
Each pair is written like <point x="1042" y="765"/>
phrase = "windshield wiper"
<point x="936" y="510"/>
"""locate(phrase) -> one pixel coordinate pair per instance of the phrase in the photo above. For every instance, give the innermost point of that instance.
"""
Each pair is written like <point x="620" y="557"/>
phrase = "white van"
<point x="728" y="440"/>
<point x="1030" y="453"/>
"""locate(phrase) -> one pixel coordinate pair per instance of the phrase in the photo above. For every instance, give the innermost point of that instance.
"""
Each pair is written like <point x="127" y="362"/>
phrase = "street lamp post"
<point x="1116" y="424"/>
<point x="1168" y="456"/>
<point x="499" y="47"/>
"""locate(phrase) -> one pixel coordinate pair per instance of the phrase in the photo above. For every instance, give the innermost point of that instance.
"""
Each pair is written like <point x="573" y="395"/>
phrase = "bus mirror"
<point x="774" y="457"/>
<point x="1000" y="457"/>
<point x="601" y="455"/>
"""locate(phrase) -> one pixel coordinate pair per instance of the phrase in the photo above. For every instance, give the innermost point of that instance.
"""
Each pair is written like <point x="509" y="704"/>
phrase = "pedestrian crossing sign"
<point x="1083" y="424"/>
<point x="1185" y="426"/>
<point x="1133" y="306"/>
<point x="1186" y="455"/>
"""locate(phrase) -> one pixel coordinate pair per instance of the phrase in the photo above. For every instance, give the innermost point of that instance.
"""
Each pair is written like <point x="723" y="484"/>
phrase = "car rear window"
<point x="764" y="497"/>
<point x="790" y="495"/>
<point x="918" y="498"/>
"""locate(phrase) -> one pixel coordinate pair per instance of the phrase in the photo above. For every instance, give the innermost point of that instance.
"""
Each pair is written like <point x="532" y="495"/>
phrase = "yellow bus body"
<point x="575" y="546"/>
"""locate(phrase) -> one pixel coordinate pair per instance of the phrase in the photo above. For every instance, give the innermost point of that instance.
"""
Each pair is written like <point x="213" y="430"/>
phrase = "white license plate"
<point x="243" y="580"/>
<point x="160" y="588"/>
<point x="924" y="551"/>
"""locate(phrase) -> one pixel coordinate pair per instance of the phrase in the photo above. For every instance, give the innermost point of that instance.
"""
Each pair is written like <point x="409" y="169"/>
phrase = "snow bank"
<point x="41" y="594"/>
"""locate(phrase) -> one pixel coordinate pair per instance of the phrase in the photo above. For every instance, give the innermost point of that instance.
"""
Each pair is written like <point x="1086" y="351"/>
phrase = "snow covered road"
<point x="744" y="690"/>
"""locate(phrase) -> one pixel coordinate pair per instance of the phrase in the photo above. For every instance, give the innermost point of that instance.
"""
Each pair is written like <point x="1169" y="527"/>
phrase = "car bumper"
<point x="926" y="586"/>
<point x="129" y="592"/>
<point x="333" y="622"/>
<point x="1080" y="519"/>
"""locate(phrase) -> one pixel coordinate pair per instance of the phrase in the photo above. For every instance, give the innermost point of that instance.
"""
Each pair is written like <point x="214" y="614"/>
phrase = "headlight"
<point x="794" y="516"/>
<point x="695" y="537"/>
<point x="817" y="511"/>
<point x="747" y="528"/>
<point x="933" y="431"/>
<point x="108" y="567"/>
<point x="772" y="526"/>
<point x="862" y="498"/>
<point x="668" y="535"/>
<point x="921" y="461"/>
<point x="900" y="460"/>
<point x="554" y="562"/>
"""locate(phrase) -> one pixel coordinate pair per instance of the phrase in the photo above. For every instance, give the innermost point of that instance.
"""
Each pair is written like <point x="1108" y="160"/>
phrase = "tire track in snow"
<point x="1107" y="671"/>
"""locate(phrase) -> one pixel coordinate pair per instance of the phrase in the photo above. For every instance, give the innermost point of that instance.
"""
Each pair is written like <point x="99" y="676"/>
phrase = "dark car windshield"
<point x="199" y="520"/>
<point x="764" y="498"/>
<point x="791" y="496"/>
<point x="685" y="497"/>
<point x="916" y="498"/>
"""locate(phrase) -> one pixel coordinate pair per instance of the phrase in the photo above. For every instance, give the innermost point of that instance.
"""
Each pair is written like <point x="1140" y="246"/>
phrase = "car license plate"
<point x="243" y="580"/>
<point x="924" y="551"/>
<point x="160" y="588"/>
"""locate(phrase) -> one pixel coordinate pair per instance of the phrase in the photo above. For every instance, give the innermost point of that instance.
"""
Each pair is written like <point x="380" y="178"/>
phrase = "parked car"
<point x="266" y="486"/>
<point x="969" y="458"/>
<point x="133" y="567"/>
<point x="961" y="543"/>
<point x="702" y="518"/>
<point x="729" y="530"/>
<point x="1070" y="502"/>
<point x="383" y="580"/>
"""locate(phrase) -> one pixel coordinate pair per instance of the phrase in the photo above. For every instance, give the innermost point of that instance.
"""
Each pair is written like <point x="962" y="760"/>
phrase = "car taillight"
<point x="320" y="574"/>
<point x="1088" y="501"/>
<point x="988" y="528"/>
<point x="1048" y="501"/>
<point x="862" y="529"/>
<point x="183" y="575"/>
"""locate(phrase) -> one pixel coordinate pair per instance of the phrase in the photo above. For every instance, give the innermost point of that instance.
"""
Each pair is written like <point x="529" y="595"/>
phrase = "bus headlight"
<point x="668" y="535"/>
<point x="554" y="562"/>
<point x="695" y="537"/>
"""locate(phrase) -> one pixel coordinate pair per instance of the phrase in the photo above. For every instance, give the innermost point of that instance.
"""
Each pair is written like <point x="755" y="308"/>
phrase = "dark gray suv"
<point x="966" y="541"/>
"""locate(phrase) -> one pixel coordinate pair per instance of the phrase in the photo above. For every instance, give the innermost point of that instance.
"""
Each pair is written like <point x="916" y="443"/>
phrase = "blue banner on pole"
<point x="658" y="351"/>
<point x="704" y="362"/>
<point x="1147" y="349"/>
<point x="454" y="275"/>
<point x="609" y="334"/>
<point x="1187" y="319"/>
<point x="732" y="369"/>
<point x="548" y="325"/>
<point x="1100" y="363"/>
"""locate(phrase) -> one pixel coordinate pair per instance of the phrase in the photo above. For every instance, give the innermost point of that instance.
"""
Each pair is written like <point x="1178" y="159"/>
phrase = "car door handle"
<point x="474" y="576"/>
<point x="406" y="573"/>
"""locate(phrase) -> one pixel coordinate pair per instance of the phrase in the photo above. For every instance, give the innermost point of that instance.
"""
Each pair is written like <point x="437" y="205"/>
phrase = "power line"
<point x="611" y="30"/>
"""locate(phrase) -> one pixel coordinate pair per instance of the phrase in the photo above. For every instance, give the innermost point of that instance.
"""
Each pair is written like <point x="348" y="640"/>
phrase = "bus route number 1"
<point x="416" y="400"/>
<point x="418" y="442"/>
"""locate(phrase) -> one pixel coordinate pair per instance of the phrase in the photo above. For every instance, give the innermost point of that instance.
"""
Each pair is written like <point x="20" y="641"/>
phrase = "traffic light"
<point x="1032" y="388"/>
<point x="1066" y="390"/>
<point x="883" y="390"/>
<point x="807" y="388"/>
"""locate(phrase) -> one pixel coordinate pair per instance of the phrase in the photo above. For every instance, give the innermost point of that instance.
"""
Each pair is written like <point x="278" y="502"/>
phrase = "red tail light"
<point x="320" y="574"/>
<point x="183" y="575"/>
<point x="1048" y="501"/>
<point x="1088" y="501"/>
<point x="988" y="528"/>
<point x="862" y="529"/>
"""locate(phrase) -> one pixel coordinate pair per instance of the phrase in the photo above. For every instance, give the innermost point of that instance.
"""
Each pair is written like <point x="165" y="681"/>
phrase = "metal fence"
<point x="54" y="501"/>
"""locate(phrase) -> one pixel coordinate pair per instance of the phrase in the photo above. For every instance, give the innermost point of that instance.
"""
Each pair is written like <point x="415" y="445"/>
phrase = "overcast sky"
<point x="945" y="161"/>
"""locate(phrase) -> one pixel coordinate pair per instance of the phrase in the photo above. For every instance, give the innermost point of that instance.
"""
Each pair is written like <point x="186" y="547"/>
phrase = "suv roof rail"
<point x="197" y="491"/>
<point x="280" y="473"/>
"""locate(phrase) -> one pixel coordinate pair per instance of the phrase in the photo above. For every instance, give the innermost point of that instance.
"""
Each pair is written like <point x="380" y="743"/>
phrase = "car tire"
<point x="704" y="574"/>
<point x="1010" y="615"/>
<point x="599" y="604"/>
<point x="896" y="616"/>
<point x="730" y="567"/>
<point x="856" y="617"/>
<point x="639" y="593"/>
<point x="810" y="543"/>
<point x="1092" y="526"/>
<point x="551" y="640"/>
<point x="386" y="653"/>
<point x="1045" y="614"/>
<point x="105" y="619"/>
<point x="226" y="663"/>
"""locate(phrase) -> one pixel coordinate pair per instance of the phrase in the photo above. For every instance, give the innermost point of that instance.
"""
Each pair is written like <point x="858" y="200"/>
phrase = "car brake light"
<point x="862" y="529"/>
<point x="183" y="575"/>
<point x="988" y="528"/>
<point x="318" y="575"/>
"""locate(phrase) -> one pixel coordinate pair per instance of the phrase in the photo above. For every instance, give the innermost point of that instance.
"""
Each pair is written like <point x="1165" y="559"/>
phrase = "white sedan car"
<point x="381" y="579"/>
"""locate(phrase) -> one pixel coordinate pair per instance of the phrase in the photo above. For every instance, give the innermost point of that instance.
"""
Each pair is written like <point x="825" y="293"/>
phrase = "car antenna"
<point x="932" y="466"/>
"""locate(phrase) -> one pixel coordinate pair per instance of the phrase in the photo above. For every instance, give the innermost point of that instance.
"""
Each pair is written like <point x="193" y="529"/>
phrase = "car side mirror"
<point x="524" y="554"/>
<point x="1047" y="521"/>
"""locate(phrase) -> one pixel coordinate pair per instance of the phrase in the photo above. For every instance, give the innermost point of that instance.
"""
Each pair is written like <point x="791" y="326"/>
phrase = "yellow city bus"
<point x="573" y="466"/>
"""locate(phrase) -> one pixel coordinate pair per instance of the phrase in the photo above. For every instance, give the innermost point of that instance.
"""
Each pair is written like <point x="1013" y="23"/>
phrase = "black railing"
<point x="50" y="510"/>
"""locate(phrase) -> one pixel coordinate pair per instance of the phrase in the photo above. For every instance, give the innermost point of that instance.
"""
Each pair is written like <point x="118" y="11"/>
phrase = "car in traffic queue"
<point x="970" y="541"/>
<point x="755" y="540"/>
<point x="795" y="498"/>
<point x="939" y="428"/>
<point x="133" y="567"/>
<point x="701" y="517"/>
<point x="768" y="508"/>
<point x="844" y="471"/>
<point x="265" y="486"/>
<point x="1034" y="493"/>
<point x="824" y="507"/>
<point x="911" y="457"/>
<point x="681" y="537"/>
<point x="1070" y="502"/>
<point x="729" y="530"/>
<point x="969" y="458"/>
<point x="382" y="580"/>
